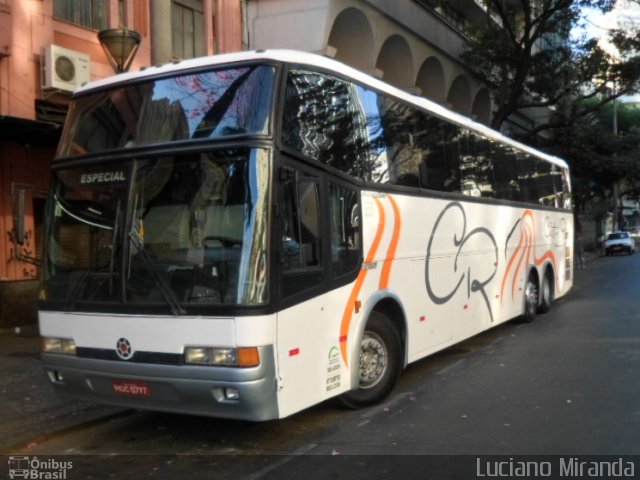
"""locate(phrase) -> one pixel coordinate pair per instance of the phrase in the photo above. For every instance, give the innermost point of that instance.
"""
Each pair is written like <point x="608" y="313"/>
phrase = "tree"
<point x="605" y="164"/>
<point x="526" y="56"/>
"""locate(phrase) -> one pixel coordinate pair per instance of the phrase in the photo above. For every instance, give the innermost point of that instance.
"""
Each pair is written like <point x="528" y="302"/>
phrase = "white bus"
<point x="247" y="235"/>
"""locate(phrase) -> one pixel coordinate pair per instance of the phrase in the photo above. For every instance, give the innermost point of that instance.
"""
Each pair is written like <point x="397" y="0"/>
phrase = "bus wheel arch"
<point x="380" y="355"/>
<point x="391" y="308"/>
<point x="547" y="289"/>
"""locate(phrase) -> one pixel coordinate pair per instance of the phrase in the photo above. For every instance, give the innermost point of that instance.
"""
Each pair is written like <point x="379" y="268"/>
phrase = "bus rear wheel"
<point x="530" y="298"/>
<point x="546" y="293"/>
<point x="379" y="364"/>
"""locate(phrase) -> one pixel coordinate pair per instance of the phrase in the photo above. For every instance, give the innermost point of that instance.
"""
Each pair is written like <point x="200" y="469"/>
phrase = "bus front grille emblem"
<point x="123" y="349"/>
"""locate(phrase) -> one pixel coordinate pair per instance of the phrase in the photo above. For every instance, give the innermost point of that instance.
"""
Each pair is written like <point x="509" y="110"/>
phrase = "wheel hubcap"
<point x="373" y="360"/>
<point x="531" y="295"/>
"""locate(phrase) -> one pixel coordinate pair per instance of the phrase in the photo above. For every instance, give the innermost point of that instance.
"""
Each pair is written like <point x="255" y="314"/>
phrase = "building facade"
<point x="412" y="44"/>
<point x="47" y="49"/>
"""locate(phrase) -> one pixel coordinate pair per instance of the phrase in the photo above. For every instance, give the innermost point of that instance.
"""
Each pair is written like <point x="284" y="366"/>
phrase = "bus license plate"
<point x="132" y="388"/>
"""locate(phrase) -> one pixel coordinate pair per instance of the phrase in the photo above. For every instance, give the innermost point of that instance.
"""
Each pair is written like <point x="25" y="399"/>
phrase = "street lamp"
<point x="120" y="45"/>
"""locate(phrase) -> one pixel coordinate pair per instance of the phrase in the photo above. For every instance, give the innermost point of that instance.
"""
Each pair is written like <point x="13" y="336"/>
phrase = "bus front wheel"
<point x="379" y="363"/>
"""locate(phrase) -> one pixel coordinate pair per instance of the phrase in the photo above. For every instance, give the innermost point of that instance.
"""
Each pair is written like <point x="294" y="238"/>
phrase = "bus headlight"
<point x="222" y="356"/>
<point x="58" y="345"/>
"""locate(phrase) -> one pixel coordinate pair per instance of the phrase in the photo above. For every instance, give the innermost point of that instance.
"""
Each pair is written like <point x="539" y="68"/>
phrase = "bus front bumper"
<point x="239" y="393"/>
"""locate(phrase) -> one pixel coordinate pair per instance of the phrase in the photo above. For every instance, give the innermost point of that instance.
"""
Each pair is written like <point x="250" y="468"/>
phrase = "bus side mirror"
<point x="17" y="197"/>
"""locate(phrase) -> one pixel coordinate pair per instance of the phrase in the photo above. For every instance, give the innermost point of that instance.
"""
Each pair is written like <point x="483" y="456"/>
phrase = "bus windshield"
<point x="179" y="230"/>
<point x="206" y="105"/>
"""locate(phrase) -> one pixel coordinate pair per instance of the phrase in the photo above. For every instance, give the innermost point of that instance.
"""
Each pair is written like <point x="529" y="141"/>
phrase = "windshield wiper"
<point x="78" y="288"/>
<point x="165" y="290"/>
<point x="89" y="283"/>
<point x="114" y="237"/>
<point x="82" y="285"/>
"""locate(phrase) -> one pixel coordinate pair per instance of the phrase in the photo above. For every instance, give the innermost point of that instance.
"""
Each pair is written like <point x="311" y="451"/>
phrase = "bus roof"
<point x="305" y="58"/>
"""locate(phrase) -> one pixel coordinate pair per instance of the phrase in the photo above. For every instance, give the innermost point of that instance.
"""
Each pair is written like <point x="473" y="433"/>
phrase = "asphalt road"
<point x="566" y="384"/>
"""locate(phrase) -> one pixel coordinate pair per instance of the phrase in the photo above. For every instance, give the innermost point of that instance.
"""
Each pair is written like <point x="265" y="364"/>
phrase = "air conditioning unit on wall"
<point x="64" y="69"/>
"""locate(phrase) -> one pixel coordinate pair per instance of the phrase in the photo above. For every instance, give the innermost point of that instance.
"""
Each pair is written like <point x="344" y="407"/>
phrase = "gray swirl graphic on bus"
<point x="475" y="281"/>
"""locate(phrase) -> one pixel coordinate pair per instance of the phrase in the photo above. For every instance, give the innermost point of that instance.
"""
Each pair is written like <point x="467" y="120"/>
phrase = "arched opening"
<point x="430" y="80"/>
<point x="459" y="97"/>
<point x="481" y="107"/>
<point x="396" y="63"/>
<point x="352" y="37"/>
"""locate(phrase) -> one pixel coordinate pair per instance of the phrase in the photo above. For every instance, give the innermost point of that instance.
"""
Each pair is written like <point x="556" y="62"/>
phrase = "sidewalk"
<point x="589" y="257"/>
<point x="29" y="408"/>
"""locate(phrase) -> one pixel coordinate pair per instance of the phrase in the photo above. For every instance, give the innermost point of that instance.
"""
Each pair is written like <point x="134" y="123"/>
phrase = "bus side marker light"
<point x="293" y="352"/>
<point x="357" y="305"/>
<point x="423" y="318"/>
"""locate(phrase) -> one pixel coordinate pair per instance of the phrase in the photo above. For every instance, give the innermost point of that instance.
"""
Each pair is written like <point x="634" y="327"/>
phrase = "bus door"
<point x="319" y="242"/>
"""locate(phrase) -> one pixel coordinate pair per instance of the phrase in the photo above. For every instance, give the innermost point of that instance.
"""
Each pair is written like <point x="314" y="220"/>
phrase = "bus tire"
<point x="530" y="298"/>
<point x="379" y="365"/>
<point x="546" y="293"/>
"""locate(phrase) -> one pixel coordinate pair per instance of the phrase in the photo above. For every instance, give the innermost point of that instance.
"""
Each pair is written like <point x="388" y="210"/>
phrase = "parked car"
<point x="618" y="242"/>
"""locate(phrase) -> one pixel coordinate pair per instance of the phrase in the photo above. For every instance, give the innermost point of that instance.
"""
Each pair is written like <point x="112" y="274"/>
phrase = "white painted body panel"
<point x="166" y="334"/>
<point x="495" y="247"/>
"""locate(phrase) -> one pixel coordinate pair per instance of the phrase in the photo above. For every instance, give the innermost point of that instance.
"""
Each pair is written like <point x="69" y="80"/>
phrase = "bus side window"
<point x="344" y="211"/>
<point x="300" y="254"/>
<point x="505" y="170"/>
<point x="476" y="166"/>
<point x="566" y="190"/>
<point x="430" y="138"/>
<point x="528" y="177"/>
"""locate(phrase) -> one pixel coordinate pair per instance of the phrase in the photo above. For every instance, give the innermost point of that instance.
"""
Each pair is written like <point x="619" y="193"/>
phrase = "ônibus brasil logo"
<point x="35" y="468"/>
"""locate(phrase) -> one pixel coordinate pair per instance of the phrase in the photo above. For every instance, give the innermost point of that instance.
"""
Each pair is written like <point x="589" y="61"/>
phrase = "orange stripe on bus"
<point x="548" y="254"/>
<point x="527" y="243"/>
<point x="393" y="245"/>
<point x="510" y="264"/>
<point x="523" y="256"/>
<point x="348" y="309"/>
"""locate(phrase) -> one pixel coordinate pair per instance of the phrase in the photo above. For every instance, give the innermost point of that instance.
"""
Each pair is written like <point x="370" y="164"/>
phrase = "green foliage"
<point x="598" y="157"/>
<point x="528" y="59"/>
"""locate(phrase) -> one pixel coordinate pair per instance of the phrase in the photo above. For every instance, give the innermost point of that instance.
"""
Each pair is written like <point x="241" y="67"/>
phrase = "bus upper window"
<point x="322" y="121"/>
<point x="476" y="166"/>
<point x="376" y="138"/>
<point x="212" y="104"/>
